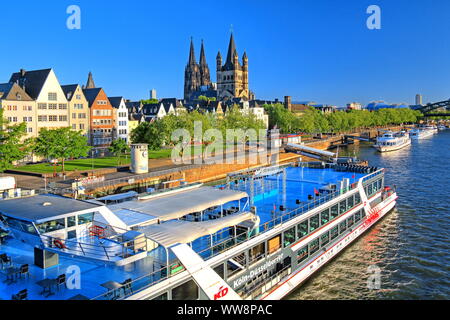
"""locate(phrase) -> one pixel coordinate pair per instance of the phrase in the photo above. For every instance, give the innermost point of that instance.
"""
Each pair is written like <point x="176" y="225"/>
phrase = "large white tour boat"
<point x="259" y="236"/>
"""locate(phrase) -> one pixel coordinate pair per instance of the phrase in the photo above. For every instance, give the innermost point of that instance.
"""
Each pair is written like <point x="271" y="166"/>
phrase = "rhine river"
<point x="411" y="245"/>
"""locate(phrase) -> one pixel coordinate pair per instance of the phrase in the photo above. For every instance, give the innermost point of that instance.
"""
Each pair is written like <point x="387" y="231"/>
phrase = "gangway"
<point x="311" y="152"/>
<point x="211" y="283"/>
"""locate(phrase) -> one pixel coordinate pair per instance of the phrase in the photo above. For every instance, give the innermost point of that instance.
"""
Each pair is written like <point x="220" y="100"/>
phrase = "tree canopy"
<point x="119" y="147"/>
<point x="314" y="121"/>
<point x="12" y="146"/>
<point x="60" y="144"/>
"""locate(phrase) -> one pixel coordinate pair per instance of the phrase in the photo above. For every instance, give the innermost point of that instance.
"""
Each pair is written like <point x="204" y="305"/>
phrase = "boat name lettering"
<point x="253" y="273"/>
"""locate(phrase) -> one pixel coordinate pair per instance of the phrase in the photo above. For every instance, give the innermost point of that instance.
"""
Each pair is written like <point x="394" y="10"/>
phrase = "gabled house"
<point x="43" y="87"/>
<point x="157" y="111"/>
<point x="102" y="119"/>
<point x="121" y="116"/>
<point x="18" y="107"/>
<point x="79" y="117"/>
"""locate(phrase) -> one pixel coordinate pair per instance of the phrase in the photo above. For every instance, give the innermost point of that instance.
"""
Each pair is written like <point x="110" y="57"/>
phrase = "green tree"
<point x="61" y="144"/>
<point x="149" y="101"/>
<point x="119" y="147"/>
<point x="147" y="132"/>
<point x="12" y="146"/>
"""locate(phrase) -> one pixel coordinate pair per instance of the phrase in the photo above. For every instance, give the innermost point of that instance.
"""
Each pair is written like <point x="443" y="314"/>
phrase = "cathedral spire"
<point x="202" y="56"/>
<point x="192" y="60"/>
<point x="90" y="81"/>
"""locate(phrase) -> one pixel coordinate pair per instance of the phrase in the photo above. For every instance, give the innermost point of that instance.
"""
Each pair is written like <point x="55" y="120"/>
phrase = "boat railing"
<point x="99" y="249"/>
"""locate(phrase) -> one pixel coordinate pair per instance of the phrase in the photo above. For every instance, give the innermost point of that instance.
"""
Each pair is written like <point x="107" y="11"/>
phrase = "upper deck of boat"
<point x="295" y="188"/>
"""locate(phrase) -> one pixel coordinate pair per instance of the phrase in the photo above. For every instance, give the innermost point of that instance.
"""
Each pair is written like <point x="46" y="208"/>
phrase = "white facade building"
<point x="121" y="118"/>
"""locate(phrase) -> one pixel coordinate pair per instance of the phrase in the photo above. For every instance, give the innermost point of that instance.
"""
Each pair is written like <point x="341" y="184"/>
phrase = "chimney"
<point x="22" y="72"/>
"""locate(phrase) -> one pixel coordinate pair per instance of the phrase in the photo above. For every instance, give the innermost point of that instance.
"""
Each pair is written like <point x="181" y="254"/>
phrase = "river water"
<point x="409" y="250"/>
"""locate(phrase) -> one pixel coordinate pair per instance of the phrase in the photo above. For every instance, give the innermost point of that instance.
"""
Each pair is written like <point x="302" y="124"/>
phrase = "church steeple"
<point x="231" y="50"/>
<point x="192" y="60"/>
<point x="90" y="81"/>
<point x="205" y="79"/>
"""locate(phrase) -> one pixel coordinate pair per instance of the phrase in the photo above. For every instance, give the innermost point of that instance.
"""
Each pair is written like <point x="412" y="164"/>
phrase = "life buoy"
<point x="59" y="244"/>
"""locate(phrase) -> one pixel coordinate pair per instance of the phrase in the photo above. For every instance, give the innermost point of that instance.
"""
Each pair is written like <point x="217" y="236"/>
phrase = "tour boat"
<point x="391" y="141"/>
<point x="258" y="236"/>
<point x="422" y="132"/>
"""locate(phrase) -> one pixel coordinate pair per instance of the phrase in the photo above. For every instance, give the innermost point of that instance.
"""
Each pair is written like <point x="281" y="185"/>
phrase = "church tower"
<point x="205" y="79"/>
<point x="90" y="81"/>
<point x="192" y="77"/>
<point x="232" y="77"/>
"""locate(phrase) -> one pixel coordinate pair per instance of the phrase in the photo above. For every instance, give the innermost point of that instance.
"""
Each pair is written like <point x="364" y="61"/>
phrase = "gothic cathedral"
<point x="232" y="77"/>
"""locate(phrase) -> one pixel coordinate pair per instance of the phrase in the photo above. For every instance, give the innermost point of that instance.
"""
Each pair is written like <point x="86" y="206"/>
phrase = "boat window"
<point x="302" y="254"/>
<point x="289" y="236"/>
<point x="342" y="227"/>
<point x="186" y="291"/>
<point x="325" y="217"/>
<point x="334" y="232"/>
<point x="350" y="221"/>
<point x="375" y="187"/>
<point x="314" y="246"/>
<point x="85" y="218"/>
<point x="380" y="184"/>
<point x="324" y="239"/>
<point x="334" y="211"/>
<point x="220" y="270"/>
<point x="313" y="223"/>
<point x="302" y="229"/>
<point x="50" y="226"/>
<point x="71" y="221"/>
<point x="350" y="202"/>
<point x="20" y="225"/>
<point x="363" y="213"/>
<point x="357" y="198"/>
<point x="357" y="216"/>
<point x="274" y="244"/>
<point x="342" y="207"/>
<point x="257" y="252"/>
<point x="369" y="189"/>
<point x="163" y="296"/>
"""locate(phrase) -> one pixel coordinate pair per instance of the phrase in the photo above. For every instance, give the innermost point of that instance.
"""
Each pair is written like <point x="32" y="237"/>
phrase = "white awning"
<point x="177" y="231"/>
<point x="313" y="150"/>
<point x="177" y="205"/>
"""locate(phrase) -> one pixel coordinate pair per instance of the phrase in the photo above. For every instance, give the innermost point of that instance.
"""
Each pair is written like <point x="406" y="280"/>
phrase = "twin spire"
<point x="192" y="60"/>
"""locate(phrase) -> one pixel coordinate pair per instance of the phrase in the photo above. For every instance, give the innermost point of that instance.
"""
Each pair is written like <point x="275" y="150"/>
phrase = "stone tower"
<point x="90" y="81"/>
<point x="205" y="79"/>
<point x="191" y="74"/>
<point x="232" y="77"/>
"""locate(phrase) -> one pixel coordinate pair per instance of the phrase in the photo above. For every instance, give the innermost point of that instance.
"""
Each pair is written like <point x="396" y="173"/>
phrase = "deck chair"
<point x="5" y="260"/>
<point x="60" y="280"/>
<point x="21" y="295"/>
<point x="24" y="270"/>
<point x="126" y="286"/>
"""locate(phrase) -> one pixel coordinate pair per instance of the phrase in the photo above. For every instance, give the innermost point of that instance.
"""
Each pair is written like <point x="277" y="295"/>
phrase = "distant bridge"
<point x="433" y="106"/>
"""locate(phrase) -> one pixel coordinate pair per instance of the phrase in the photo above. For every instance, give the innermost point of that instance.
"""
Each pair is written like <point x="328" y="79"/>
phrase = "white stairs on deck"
<point x="211" y="283"/>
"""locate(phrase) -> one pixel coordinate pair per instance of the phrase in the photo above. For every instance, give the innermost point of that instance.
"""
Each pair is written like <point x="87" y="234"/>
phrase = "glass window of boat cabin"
<point x="302" y="254"/>
<point x="325" y="216"/>
<point x="289" y="237"/>
<point x="257" y="252"/>
<point x="52" y="225"/>
<point x="20" y="225"/>
<point x="274" y="244"/>
<point x="342" y="206"/>
<point x="334" y="211"/>
<point x="334" y="232"/>
<point x="186" y="291"/>
<point x="313" y="222"/>
<point x="302" y="229"/>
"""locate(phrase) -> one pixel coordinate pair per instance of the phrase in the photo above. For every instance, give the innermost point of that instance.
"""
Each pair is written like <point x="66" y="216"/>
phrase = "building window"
<point x="53" y="118"/>
<point x="42" y="106"/>
<point x="81" y="126"/>
<point x="52" y="96"/>
<point x="63" y="106"/>
<point x="42" y="118"/>
<point x="52" y="106"/>
<point x="62" y="118"/>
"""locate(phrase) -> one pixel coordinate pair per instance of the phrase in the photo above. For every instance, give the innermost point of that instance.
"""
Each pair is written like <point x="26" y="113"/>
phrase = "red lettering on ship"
<point x="222" y="293"/>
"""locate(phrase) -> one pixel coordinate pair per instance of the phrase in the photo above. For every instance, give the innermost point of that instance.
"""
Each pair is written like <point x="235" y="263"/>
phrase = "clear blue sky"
<point x="312" y="50"/>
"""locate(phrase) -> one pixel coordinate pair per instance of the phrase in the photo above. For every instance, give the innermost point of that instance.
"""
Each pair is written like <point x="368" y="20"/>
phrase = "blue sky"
<point x="312" y="50"/>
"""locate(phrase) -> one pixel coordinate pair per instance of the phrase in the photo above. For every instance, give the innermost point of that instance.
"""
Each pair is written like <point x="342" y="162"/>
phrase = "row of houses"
<point x="37" y="98"/>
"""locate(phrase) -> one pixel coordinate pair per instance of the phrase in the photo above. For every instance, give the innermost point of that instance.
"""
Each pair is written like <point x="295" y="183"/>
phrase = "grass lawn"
<point x="159" y="154"/>
<point x="72" y="165"/>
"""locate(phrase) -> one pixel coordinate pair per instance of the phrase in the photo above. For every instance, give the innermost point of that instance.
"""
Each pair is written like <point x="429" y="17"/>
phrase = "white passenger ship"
<point x="259" y="236"/>
<point x="422" y="132"/>
<point x="391" y="141"/>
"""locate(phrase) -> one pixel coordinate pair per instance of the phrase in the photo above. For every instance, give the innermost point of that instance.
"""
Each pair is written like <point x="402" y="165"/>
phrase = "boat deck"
<point x="300" y="182"/>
